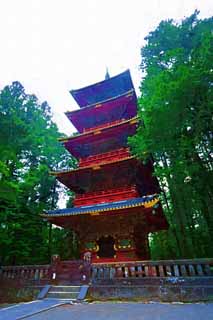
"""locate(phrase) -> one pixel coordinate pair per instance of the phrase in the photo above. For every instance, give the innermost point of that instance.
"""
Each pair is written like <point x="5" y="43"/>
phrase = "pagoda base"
<point x="113" y="232"/>
<point x="116" y="249"/>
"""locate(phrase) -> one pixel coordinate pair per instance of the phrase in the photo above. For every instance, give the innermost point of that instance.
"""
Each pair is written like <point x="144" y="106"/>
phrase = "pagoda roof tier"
<point x="115" y="174"/>
<point x="91" y="178"/>
<point x="100" y="140"/>
<point x="145" y="202"/>
<point x="117" y="108"/>
<point x="146" y="209"/>
<point x="104" y="90"/>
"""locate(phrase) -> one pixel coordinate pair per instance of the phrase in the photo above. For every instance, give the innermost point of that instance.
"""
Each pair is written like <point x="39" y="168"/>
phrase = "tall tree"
<point x="176" y="107"/>
<point x="29" y="150"/>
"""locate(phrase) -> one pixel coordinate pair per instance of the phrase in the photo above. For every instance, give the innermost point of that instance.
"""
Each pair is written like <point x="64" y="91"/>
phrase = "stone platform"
<point x="168" y="289"/>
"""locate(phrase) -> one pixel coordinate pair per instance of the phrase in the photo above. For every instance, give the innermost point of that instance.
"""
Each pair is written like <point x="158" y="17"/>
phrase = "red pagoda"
<point x="116" y="201"/>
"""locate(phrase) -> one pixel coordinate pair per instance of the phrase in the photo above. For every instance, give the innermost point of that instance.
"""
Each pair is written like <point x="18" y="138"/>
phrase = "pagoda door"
<point x="106" y="247"/>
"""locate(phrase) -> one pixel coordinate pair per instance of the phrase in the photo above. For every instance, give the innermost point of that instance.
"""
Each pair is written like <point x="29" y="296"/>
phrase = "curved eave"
<point x="124" y="106"/>
<point x="103" y="90"/>
<point x="133" y="120"/>
<point x="98" y="209"/>
<point x="127" y="94"/>
<point x="102" y="140"/>
<point x="94" y="167"/>
<point x="100" y="103"/>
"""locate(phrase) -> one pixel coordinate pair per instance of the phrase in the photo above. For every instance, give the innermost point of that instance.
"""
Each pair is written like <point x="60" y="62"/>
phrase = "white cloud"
<point x="54" y="46"/>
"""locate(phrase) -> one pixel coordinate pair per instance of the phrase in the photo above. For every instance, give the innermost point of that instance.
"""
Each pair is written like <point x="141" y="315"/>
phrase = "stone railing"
<point x="161" y="268"/>
<point x="33" y="273"/>
<point x="119" y="270"/>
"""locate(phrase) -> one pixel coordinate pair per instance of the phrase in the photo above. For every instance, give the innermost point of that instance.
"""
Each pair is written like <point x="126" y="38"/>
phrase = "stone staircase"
<point x="64" y="292"/>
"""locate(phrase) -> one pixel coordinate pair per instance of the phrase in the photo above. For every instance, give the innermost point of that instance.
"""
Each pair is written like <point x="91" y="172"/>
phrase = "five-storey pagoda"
<point x="116" y="204"/>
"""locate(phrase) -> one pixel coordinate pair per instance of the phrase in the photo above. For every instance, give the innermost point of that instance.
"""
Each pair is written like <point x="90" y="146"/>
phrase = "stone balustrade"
<point x="154" y="269"/>
<point x="118" y="270"/>
<point x="34" y="273"/>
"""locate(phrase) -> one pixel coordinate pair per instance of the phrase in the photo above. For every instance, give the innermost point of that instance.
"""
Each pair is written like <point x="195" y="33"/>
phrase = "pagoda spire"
<point x="107" y="76"/>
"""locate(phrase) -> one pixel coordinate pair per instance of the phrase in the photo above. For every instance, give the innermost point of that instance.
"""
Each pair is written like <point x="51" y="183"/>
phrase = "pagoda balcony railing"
<point x="154" y="269"/>
<point x="114" y="155"/>
<point x="104" y="125"/>
<point x="115" y="194"/>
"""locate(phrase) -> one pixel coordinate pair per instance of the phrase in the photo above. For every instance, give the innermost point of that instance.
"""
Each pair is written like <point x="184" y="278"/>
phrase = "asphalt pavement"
<point x="22" y="310"/>
<point x="128" y="311"/>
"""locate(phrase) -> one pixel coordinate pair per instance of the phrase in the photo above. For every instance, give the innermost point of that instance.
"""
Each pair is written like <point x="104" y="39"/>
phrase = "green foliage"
<point x="176" y="109"/>
<point x="65" y="243"/>
<point x="29" y="150"/>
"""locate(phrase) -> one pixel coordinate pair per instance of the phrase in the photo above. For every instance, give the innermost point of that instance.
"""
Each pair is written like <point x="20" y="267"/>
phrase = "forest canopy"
<point x="29" y="150"/>
<point x="175" y="108"/>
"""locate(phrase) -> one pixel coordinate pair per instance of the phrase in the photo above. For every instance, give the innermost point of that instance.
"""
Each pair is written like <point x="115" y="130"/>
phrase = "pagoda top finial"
<point x="107" y="76"/>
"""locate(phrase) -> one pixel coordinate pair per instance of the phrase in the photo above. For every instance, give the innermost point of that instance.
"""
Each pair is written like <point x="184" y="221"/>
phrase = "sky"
<point x="53" y="46"/>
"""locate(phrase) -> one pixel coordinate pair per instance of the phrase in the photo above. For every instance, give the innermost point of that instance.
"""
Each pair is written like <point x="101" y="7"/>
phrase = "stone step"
<point x="64" y="282"/>
<point x="63" y="295"/>
<point x="64" y="292"/>
<point x="65" y="288"/>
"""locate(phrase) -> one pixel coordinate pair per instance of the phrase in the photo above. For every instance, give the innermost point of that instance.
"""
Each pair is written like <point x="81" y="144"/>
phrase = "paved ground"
<point x="128" y="311"/>
<point x="21" y="310"/>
